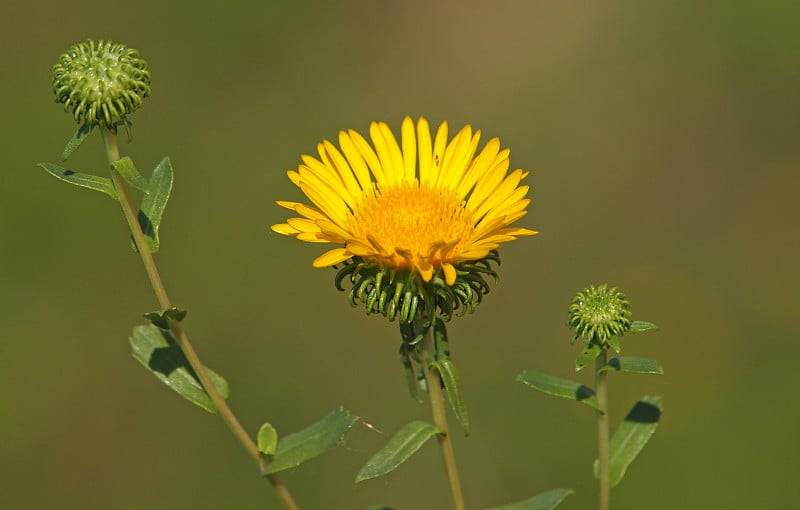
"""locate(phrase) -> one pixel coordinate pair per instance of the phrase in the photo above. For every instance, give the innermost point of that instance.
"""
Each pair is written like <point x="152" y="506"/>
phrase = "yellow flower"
<point x="420" y="206"/>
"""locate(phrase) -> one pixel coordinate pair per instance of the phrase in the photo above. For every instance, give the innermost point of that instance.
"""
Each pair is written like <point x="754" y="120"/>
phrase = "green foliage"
<point x="544" y="501"/>
<point x="80" y="135"/>
<point x="155" y="199"/>
<point x="452" y="387"/>
<point x="559" y="387"/>
<point x="631" y="436"/>
<point x="640" y="326"/>
<point x="589" y="353"/>
<point x="128" y="171"/>
<point x="267" y="439"/>
<point x="310" y="442"/>
<point x="89" y="181"/>
<point x="161" y="318"/>
<point x="158" y="352"/>
<point x="408" y="372"/>
<point x="399" y="448"/>
<point x="634" y="365"/>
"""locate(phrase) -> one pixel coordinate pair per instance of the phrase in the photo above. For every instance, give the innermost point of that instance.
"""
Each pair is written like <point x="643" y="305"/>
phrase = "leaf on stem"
<point x="154" y="202"/>
<point x="267" y="439"/>
<point x="559" y="387"/>
<point x="631" y="436"/>
<point x="161" y="317"/>
<point x="77" y="139"/>
<point x="312" y="441"/>
<point x="158" y="352"/>
<point x="452" y="387"/>
<point x="399" y="448"/>
<point x="634" y="365"/>
<point x="408" y="372"/>
<point x="639" y="326"/>
<point x="589" y="353"/>
<point x="89" y="181"/>
<point x="544" y="501"/>
<point x="128" y="171"/>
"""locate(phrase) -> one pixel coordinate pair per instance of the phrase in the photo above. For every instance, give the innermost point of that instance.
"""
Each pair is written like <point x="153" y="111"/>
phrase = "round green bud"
<point x="101" y="83"/>
<point x="599" y="313"/>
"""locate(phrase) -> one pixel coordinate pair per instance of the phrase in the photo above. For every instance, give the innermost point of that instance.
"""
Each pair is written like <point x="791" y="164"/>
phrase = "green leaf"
<point x="267" y="439"/>
<point x="101" y="184"/>
<point x="128" y="171"/>
<point x="154" y="202"/>
<point x="613" y="342"/>
<point x="440" y="341"/>
<point x="452" y="387"/>
<point x="634" y="365"/>
<point x="157" y="350"/>
<point x="77" y="139"/>
<point x="408" y="372"/>
<point x="589" y="353"/>
<point x="399" y="448"/>
<point x="639" y="326"/>
<point x="631" y="436"/>
<point x="312" y="441"/>
<point x="161" y="317"/>
<point x="544" y="501"/>
<point x="559" y="387"/>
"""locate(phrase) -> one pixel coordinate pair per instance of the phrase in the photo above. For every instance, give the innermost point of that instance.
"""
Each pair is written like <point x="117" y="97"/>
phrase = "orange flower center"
<point x="412" y="225"/>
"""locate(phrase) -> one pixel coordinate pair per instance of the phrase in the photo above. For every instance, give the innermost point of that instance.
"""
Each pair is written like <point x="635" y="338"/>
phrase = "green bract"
<point x="101" y="83"/>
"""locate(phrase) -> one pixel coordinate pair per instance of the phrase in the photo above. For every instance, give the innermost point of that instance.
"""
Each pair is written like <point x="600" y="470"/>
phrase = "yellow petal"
<point x="425" y="149"/>
<point x="449" y="273"/>
<point x="332" y="257"/>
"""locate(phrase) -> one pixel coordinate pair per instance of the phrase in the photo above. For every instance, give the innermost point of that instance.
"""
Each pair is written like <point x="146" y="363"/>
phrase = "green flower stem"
<point x="601" y="387"/>
<point x="112" y="154"/>
<point x="434" y="383"/>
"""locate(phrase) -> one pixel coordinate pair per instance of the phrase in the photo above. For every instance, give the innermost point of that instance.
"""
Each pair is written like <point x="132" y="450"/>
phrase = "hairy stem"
<point x="236" y="428"/>
<point x="434" y="383"/>
<point x="601" y="386"/>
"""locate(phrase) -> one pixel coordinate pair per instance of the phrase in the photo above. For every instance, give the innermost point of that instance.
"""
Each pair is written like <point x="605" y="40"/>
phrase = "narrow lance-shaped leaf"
<point x="77" y="139"/>
<point x="128" y="171"/>
<point x="634" y="365"/>
<point x="589" y="353"/>
<point x="158" y="352"/>
<point x="312" y="441"/>
<point x="631" y="436"/>
<point x="544" y="501"/>
<point x="154" y="202"/>
<point x="559" y="387"/>
<point x="408" y="372"/>
<point x="89" y="181"/>
<point x="399" y="448"/>
<point x="267" y="439"/>
<point x="452" y="387"/>
<point x="639" y="326"/>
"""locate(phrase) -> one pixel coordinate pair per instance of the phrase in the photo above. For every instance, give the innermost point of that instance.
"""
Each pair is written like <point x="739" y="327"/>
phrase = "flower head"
<point x="426" y="214"/>
<point x="101" y="83"/>
<point x="598" y="314"/>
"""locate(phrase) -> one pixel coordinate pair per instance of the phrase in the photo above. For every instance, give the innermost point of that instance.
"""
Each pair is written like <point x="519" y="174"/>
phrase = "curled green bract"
<point x="406" y="296"/>
<point x="598" y="314"/>
<point x="101" y="83"/>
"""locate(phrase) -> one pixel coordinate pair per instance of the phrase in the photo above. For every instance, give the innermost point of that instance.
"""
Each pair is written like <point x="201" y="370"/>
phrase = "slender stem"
<point x="225" y="412"/>
<point x="434" y="383"/>
<point x="601" y="386"/>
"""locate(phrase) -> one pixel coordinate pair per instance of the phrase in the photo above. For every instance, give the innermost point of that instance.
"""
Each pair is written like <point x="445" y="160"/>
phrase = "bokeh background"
<point x="662" y="140"/>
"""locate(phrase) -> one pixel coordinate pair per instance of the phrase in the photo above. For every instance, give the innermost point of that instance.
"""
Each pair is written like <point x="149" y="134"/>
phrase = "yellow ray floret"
<point x="421" y="205"/>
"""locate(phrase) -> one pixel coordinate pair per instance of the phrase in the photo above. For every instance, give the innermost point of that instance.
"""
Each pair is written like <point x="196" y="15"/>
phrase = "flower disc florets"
<point x="101" y="83"/>
<point x="599" y="313"/>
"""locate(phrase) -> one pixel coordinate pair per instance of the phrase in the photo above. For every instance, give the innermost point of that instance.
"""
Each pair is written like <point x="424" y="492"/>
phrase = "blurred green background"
<point x="663" y="142"/>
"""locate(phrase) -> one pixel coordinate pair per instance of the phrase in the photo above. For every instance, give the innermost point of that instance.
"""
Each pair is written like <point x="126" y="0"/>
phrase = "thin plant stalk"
<point x="225" y="412"/>
<point x="601" y="387"/>
<point x="434" y="384"/>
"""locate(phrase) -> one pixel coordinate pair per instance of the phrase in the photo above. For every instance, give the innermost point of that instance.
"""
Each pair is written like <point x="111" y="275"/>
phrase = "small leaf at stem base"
<point x="267" y="439"/>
